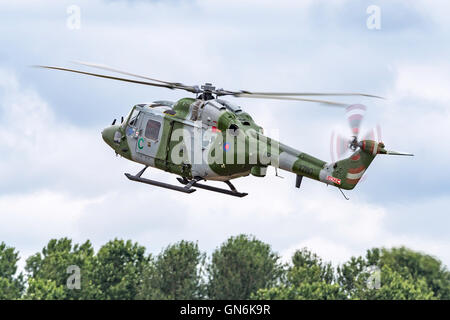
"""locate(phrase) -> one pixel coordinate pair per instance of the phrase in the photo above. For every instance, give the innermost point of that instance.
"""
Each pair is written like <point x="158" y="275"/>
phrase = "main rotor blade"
<point x="107" y="68"/>
<point x="115" y="78"/>
<point x="245" y="95"/>
<point x="311" y="94"/>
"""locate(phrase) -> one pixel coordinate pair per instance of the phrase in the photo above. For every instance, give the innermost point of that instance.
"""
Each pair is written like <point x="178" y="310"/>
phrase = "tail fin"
<point x="350" y="171"/>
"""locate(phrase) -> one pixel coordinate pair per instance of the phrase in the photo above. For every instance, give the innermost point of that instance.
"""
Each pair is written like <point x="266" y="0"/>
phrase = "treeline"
<point x="241" y="268"/>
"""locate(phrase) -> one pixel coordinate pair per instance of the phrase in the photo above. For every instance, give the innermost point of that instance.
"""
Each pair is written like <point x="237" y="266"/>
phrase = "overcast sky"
<point x="58" y="178"/>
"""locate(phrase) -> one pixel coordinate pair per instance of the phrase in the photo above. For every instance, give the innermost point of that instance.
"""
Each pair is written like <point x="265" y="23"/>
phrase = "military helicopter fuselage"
<point x="209" y="138"/>
<point x="168" y="136"/>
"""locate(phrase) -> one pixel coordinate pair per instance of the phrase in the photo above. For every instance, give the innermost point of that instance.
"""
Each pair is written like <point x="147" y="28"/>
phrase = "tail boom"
<point x="344" y="174"/>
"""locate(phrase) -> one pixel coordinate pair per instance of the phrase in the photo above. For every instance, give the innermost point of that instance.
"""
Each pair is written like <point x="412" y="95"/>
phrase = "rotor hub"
<point x="208" y="87"/>
<point x="354" y="144"/>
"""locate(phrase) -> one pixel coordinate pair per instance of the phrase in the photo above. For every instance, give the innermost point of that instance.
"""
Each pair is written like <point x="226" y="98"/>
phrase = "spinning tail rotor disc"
<point x="341" y="145"/>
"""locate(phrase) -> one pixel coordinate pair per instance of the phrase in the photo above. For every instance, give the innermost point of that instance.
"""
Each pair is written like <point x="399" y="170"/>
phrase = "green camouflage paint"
<point x="237" y="162"/>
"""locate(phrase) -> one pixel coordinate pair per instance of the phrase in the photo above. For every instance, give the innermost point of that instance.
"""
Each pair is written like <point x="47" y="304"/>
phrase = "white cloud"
<point x="424" y="81"/>
<point x="68" y="182"/>
<point x="41" y="215"/>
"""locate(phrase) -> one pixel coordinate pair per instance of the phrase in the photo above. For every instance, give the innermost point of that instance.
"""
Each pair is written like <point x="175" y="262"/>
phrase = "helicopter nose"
<point x="108" y="135"/>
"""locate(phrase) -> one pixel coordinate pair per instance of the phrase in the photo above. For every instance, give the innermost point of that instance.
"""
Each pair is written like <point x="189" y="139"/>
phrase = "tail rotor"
<point x="340" y="146"/>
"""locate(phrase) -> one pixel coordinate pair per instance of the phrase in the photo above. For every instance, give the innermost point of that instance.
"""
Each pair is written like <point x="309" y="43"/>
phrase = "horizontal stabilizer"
<point x="395" y="153"/>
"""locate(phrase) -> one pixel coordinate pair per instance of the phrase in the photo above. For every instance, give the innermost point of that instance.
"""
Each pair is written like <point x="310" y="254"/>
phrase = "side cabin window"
<point x="152" y="129"/>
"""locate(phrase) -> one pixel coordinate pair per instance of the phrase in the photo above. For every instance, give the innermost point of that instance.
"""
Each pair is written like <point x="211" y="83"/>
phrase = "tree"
<point x="306" y="291"/>
<point x="118" y="269"/>
<point x="176" y="274"/>
<point x="395" y="286"/>
<point x="11" y="287"/>
<point x="400" y="273"/>
<point x="417" y="265"/>
<point x="49" y="270"/>
<point x="352" y="276"/>
<point x="308" y="278"/>
<point x="240" y="267"/>
<point x="41" y="289"/>
<point x="309" y="267"/>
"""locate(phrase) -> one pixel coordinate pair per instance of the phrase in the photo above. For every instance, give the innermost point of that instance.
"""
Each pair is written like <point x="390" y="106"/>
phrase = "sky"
<point x="59" y="179"/>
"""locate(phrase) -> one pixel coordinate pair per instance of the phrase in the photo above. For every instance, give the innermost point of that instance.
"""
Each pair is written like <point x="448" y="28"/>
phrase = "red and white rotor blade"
<point x="355" y="115"/>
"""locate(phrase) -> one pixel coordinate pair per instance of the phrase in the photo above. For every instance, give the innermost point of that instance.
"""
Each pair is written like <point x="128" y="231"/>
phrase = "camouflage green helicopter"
<point x="209" y="138"/>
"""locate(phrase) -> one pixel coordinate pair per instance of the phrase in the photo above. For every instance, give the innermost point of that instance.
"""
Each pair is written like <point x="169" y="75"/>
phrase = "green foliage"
<point x="305" y="291"/>
<point x="41" y="289"/>
<point x="118" y="269"/>
<point x="403" y="274"/>
<point x="50" y="269"/>
<point x="417" y="266"/>
<point x="352" y="276"/>
<point x="176" y="274"/>
<point x="395" y="286"/>
<point x="307" y="278"/>
<point x="308" y="267"/>
<point x="241" y="266"/>
<point x="11" y="287"/>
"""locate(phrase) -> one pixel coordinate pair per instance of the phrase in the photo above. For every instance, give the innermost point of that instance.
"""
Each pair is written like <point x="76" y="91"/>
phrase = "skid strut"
<point x="232" y="192"/>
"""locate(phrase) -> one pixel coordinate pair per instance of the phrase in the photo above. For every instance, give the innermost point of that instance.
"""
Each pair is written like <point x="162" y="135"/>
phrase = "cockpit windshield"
<point x="130" y="123"/>
<point x="133" y="118"/>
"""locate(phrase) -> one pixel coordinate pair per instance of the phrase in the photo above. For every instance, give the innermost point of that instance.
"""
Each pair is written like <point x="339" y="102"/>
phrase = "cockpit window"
<point x="133" y="118"/>
<point x="152" y="129"/>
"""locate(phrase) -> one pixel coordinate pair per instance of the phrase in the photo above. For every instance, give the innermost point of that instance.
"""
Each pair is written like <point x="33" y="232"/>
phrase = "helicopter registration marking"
<point x="334" y="180"/>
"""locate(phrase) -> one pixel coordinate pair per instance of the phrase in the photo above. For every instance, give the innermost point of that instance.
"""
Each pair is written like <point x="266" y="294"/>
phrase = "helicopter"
<point x="206" y="138"/>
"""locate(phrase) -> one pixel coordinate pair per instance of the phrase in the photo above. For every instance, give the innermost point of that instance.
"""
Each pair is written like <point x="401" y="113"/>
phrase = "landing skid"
<point x="138" y="178"/>
<point x="232" y="192"/>
<point x="188" y="185"/>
